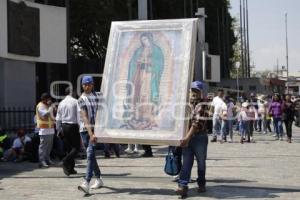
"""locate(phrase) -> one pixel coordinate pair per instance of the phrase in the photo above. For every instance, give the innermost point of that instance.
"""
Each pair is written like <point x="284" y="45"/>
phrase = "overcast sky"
<point x="267" y="32"/>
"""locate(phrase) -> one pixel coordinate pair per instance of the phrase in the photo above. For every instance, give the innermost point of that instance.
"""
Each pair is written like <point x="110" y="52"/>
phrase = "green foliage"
<point x="90" y="24"/>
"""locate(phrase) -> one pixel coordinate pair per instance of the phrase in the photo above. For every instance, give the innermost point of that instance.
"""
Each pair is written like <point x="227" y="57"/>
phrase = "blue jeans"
<point x="217" y="123"/>
<point x="278" y="126"/>
<point x="224" y="132"/>
<point x="244" y="128"/>
<point x="229" y="128"/>
<point x="85" y="138"/>
<point x="197" y="147"/>
<point x="92" y="165"/>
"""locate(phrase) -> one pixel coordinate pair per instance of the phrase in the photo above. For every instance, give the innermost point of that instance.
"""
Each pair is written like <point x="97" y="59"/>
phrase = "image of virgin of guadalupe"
<point x="145" y="71"/>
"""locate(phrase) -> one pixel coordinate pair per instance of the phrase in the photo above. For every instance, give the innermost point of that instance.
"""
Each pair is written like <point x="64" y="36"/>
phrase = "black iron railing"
<point x="13" y="118"/>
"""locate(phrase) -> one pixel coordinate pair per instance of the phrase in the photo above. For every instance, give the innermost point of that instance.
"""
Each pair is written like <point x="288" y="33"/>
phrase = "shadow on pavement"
<point x="218" y="192"/>
<point x="229" y="181"/>
<point x="79" y="175"/>
<point x="138" y="191"/>
<point x="236" y="191"/>
<point x="8" y="169"/>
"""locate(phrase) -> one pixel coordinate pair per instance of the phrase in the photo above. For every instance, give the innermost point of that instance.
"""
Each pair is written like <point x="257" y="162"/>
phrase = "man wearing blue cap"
<point x="195" y="142"/>
<point x="88" y="105"/>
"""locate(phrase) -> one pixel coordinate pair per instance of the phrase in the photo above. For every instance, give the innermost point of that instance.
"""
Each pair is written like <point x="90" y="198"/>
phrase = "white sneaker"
<point x="43" y="164"/>
<point x="98" y="183"/>
<point x="176" y="178"/>
<point x="84" y="187"/>
<point x="135" y="151"/>
<point x="50" y="162"/>
<point x="281" y="139"/>
<point x="128" y="150"/>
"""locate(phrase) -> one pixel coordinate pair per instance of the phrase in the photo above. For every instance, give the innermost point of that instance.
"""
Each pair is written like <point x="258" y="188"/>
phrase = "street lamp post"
<point x="237" y="65"/>
<point x="287" y="54"/>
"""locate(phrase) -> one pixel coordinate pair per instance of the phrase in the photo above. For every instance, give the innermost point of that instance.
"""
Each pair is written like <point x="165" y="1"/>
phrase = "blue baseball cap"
<point x="198" y="85"/>
<point x="87" y="80"/>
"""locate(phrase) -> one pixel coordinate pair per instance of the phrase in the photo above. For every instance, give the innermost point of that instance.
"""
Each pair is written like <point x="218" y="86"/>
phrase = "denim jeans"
<point x="229" y="128"/>
<point x="278" y="126"/>
<point x="244" y="128"/>
<point x="224" y="132"/>
<point x="85" y="138"/>
<point x="92" y="165"/>
<point x="217" y="123"/>
<point x="197" y="147"/>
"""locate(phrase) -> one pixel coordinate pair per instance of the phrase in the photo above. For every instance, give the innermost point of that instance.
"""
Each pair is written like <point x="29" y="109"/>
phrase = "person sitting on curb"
<point x="19" y="150"/>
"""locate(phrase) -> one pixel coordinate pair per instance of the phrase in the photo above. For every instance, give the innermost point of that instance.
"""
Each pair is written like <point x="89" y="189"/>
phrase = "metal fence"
<point x="12" y="118"/>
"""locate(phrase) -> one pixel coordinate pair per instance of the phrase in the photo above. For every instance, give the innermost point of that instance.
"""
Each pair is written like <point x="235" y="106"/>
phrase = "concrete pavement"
<point x="266" y="169"/>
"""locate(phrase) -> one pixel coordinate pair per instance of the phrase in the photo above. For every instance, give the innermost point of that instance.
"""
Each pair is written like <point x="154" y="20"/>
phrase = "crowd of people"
<point x="72" y="123"/>
<point x="260" y="113"/>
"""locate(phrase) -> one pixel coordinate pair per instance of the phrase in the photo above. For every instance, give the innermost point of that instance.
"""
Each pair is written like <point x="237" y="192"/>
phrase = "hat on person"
<point x="198" y="85"/>
<point x="45" y="96"/>
<point x="245" y="104"/>
<point x="87" y="80"/>
<point x="261" y="97"/>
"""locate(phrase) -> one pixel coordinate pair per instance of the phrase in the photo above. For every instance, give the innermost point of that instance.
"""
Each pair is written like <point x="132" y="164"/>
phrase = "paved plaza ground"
<point x="266" y="169"/>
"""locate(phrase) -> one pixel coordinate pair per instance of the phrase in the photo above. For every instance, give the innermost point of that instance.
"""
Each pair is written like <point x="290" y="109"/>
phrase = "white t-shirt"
<point x="17" y="144"/>
<point x="219" y="106"/>
<point x="261" y="107"/>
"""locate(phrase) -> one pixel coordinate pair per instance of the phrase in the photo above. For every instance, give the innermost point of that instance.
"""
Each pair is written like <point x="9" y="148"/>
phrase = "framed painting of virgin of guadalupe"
<point x="146" y="80"/>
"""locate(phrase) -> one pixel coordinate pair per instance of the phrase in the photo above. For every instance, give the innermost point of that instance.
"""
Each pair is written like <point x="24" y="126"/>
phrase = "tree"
<point x="90" y="24"/>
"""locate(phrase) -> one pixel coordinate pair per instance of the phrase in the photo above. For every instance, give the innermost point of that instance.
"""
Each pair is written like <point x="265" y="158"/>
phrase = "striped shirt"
<point x="89" y="104"/>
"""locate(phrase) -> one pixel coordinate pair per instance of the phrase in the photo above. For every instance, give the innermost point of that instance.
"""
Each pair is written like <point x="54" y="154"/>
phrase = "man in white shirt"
<point x="218" y="106"/>
<point x="45" y="124"/>
<point x="67" y="125"/>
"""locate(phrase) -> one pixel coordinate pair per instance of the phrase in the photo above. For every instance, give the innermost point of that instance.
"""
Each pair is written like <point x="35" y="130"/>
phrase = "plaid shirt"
<point x="88" y="103"/>
<point x="199" y="115"/>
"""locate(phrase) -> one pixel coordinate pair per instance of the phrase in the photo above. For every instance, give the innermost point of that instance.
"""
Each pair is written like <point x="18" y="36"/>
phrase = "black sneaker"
<point x="201" y="189"/>
<point x="214" y="140"/>
<point x="182" y="191"/>
<point x="65" y="170"/>
<point x="147" y="155"/>
<point x="73" y="171"/>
